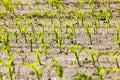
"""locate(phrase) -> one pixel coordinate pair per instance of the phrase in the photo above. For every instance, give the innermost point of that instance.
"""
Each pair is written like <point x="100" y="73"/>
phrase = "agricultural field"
<point x="59" y="39"/>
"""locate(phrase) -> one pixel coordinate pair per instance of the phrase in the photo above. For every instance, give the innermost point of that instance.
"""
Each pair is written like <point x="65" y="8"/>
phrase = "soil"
<point x="104" y="44"/>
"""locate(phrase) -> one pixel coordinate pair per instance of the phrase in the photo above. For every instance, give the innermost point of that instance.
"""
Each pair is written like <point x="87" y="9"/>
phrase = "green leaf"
<point x="102" y="72"/>
<point x="40" y="71"/>
<point x="117" y="70"/>
<point x="81" y="50"/>
<point x="2" y="62"/>
<point x="83" y="77"/>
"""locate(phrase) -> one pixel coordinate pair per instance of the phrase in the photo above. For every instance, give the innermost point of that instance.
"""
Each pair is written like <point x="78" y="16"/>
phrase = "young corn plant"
<point x="108" y="2"/>
<point x="32" y="41"/>
<point x="34" y="67"/>
<point x="1" y="77"/>
<point x="6" y="43"/>
<point x="76" y="17"/>
<point x="8" y="5"/>
<point x="67" y="26"/>
<point x="111" y="70"/>
<point x="60" y="20"/>
<point x="17" y="23"/>
<point x="8" y="67"/>
<point x="115" y="56"/>
<point x="32" y="25"/>
<point x="117" y="39"/>
<point x="29" y="4"/>
<point x="23" y="57"/>
<point x="16" y="36"/>
<point x="60" y="40"/>
<point x="24" y="32"/>
<point x="51" y="17"/>
<point x="71" y="34"/>
<point x="41" y="38"/>
<point x="103" y="14"/>
<point x="37" y="1"/>
<point x="89" y="33"/>
<point x="43" y="26"/>
<point x="108" y="17"/>
<point x="5" y="16"/>
<point x="83" y="77"/>
<point x="101" y="73"/>
<point x="21" y="4"/>
<point x="5" y="37"/>
<point x="38" y="54"/>
<point x="76" y="52"/>
<point x="98" y="55"/>
<point x="92" y="56"/>
<point x="95" y="24"/>
<point x="82" y="17"/>
<point x="80" y="4"/>
<point x="58" y="69"/>
<point x="57" y="33"/>
<point x="55" y="3"/>
<point x="45" y="50"/>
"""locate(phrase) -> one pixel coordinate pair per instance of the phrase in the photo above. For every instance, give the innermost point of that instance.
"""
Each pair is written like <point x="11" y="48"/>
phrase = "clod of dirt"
<point x="86" y="59"/>
<point x="49" y="78"/>
<point x="32" y="73"/>
<point x="90" y="47"/>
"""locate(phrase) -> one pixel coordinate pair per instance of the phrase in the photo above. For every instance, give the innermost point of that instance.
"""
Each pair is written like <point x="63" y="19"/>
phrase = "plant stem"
<point x="39" y="60"/>
<point x="31" y="45"/>
<point x="117" y="63"/>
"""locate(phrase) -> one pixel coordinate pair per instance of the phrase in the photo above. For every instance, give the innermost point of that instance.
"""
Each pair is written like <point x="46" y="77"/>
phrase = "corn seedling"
<point x="111" y="70"/>
<point x="57" y="33"/>
<point x="32" y="25"/>
<point x="24" y="32"/>
<point x="95" y="24"/>
<point x="1" y="77"/>
<point x="67" y="26"/>
<point x="38" y="54"/>
<point x="7" y="66"/>
<point x="34" y="67"/>
<point x="59" y="69"/>
<point x="92" y="56"/>
<point x="43" y="26"/>
<point x="32" y="40"/>
<point x="89" y="33"/>
<point x="71" y="31"/>
<point x="82" y="17"/>
<point x="117" y="39"/>
<point x="115" y="56"/>
<point x="76" y="53"/>
<point x="9" y="5"/>
<point x="108" y="2"/>
<point x="5" y="16"/>
<point x="55" y="3"/>
<point x="83" y="77"/>
<point x="16" y="35"/>
<point x="45" y="50"/>
<point x="21" y="4"/>
<point x="36" y="2"/>
<point x="60" y="40"/>
<point x="80" y="4"/>
<point x="29" y="4"/>
<point x="60" y="20"/>
<point x="51" y="17"/>
<point x="76" y="17"/>
<point x="41" y="38"/>
<point x="22" y="56"/>
<point x="101" y="73"/>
